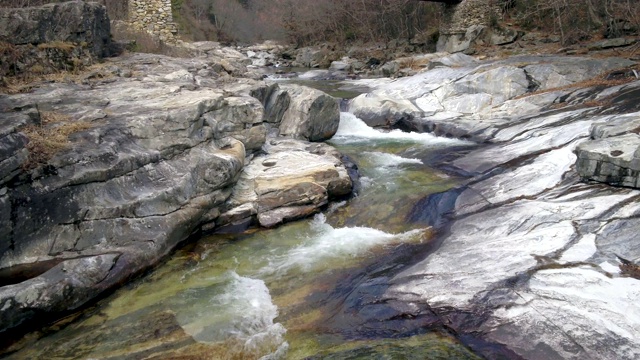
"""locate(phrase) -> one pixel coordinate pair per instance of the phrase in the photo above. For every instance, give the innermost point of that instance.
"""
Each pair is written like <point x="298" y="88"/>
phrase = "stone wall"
<point x="153" y="16"/>
<point x="458" y="18"/>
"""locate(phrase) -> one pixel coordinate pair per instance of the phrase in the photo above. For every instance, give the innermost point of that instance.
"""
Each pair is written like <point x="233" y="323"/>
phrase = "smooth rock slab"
<point x="593" y="316"/>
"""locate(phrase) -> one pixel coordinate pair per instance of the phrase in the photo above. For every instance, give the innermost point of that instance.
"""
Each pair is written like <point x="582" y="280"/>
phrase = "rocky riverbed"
<point x="536" y="253"/>
<point x="161" y="148"/>
<point x="539" y="249"/>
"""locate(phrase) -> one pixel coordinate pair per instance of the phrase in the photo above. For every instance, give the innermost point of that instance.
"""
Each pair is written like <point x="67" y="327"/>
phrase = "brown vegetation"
<point x="602" y="80"/>
<point x="50" y="137"/>
<point x="577" y="20"/>
<point x="21" y="64"/>
<point x="357" y="21"/>
<point x="142" y="41"/>
<point x="306" y="22"/>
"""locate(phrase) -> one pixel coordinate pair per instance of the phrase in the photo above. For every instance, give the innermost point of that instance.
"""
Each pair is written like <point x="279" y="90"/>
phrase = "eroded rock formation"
<point x="162" y="145"/>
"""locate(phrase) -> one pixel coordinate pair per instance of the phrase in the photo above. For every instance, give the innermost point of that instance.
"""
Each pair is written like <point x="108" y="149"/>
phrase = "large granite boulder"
<point x="74" y="21"/>
<point x="312" y="57"/>
<point x="301" y="112"/>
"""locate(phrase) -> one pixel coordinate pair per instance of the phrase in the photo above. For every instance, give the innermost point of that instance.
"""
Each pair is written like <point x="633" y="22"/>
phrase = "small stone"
<point x="269" y="163"/>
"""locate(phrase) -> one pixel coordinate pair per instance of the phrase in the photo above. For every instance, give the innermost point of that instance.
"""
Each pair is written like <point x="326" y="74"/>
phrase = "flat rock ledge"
<point x="292" y="180"/>
<point x="164" y="148"/>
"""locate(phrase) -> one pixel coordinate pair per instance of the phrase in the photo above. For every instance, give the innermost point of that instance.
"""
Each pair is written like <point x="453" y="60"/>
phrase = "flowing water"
<point x="307" y="289"/>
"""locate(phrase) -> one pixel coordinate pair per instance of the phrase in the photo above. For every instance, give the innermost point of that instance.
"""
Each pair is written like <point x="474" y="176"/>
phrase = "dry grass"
<point x="10" y="54"/>
<point x="28" y="81"/>
<point x="58" y="45"/>
<point x="14" y="79"/>
<point x="50" y="137"/>
<point x="595" y="103"/>
<point x="144" y="42"/>
<point x="414" y="62"/>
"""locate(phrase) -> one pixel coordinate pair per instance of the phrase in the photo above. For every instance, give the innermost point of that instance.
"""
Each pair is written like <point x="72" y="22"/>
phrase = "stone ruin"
<point x="154" y="17"/>
<point x="471" y="22"/>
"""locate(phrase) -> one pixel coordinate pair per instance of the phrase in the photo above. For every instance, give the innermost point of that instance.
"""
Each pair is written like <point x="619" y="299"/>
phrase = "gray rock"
<point x="531" y="254"/>
<point x="158" y="157"/>
<point x="312" y="115"/>
<point x="280" y="215"/>
<point x="390" y="68"/>
<point x="616" y="125"/>
<point x="341" y="66"/>
<point x="450" y="100"/>
<point x="503" y="36"/>
<point x="612" y="43"/>
<point x="614" y="160"/>
<point x="550" y="243"/>
<point x="569" y="70"/>
<point x="453" y="60"/>
<point x="292" y="180"/>
<point x="74" y="21"/>
<point x="460" y="42"/>
<point x="312" y="57"/>
<point x="302" y="113"/>
<point x="66" y="286"/>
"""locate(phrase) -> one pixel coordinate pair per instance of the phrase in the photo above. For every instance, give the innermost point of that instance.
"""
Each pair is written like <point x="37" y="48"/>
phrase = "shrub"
<point x="576" y="20"/>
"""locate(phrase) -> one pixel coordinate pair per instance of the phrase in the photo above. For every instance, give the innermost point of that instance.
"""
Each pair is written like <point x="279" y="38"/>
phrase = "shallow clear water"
<point x="287" y="293"/>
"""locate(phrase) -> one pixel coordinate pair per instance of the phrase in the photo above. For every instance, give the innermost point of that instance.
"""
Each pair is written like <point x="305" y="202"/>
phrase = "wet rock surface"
<point x="161" y="144"/>
<point x="529" y="255"/>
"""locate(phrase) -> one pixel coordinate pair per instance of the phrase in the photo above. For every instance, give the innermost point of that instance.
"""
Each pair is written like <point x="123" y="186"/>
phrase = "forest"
<point x="307" y="22"/>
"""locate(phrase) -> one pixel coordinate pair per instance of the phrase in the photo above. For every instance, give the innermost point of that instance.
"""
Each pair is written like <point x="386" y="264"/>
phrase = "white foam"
<point x="325" y="243"/>
<point x="353" y="129"/>
<point x="389" y="160"/>
<point x="335" y="206"/>
<point x="243" y="312"/>
<point x="366" y="182"/>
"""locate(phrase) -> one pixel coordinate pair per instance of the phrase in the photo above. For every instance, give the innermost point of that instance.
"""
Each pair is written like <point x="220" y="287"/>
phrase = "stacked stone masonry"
<point x="458" y="18"/>
<point x="153" y="16"/>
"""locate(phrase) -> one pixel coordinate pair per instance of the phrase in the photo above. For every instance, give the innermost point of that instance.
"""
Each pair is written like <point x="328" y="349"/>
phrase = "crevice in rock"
<point x="13" y="220"/>
<point x="108" y="272"/>
<point x="534" y="85"/>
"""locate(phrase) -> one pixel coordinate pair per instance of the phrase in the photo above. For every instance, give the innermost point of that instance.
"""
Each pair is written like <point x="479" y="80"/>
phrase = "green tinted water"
<point x="283" y="293"/>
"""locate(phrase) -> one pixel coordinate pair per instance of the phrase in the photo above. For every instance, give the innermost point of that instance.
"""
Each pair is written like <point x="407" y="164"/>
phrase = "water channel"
<point x="307" y="289"/>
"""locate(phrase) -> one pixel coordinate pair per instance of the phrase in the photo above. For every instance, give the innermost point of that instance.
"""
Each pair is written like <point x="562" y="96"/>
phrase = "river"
<point x="308" y="289"/>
